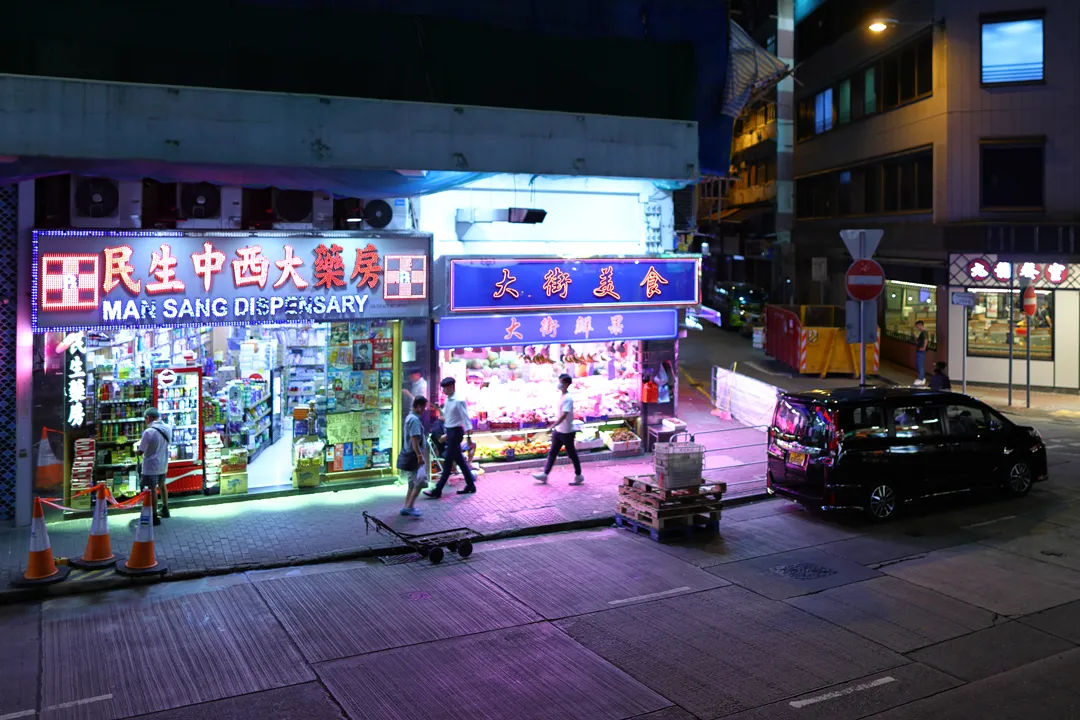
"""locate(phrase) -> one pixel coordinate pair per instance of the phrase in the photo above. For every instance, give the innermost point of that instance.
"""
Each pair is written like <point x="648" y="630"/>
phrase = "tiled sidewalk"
<point x="280" y="531"/>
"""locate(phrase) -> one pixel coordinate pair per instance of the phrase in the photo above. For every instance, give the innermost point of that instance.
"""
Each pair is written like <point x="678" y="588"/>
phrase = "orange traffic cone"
<point x="41" y="568"/>
<point x="99" y="552"/>
<point x="142" y="560"/>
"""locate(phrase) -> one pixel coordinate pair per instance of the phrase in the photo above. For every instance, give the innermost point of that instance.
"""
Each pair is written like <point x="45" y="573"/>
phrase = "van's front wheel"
<point x="882" y="502"/>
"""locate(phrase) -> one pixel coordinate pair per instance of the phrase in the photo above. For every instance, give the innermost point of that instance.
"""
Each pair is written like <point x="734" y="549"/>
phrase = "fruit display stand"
<point x="513" y="445"/>
<point x="621" y="440"/>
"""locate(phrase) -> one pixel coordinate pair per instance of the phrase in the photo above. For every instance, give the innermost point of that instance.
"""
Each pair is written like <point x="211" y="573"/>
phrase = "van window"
<point x="965" y="420"/>
<point x="918" y="422"/>
<point x="806" y="424"/>
<point x="863" y="422"/>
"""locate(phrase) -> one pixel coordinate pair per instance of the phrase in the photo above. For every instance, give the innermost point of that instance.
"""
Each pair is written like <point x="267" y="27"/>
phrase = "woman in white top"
<point x="562" y="433"/>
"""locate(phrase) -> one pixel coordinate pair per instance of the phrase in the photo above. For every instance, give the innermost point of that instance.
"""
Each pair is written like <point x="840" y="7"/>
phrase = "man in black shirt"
<point x="921" y="340"/>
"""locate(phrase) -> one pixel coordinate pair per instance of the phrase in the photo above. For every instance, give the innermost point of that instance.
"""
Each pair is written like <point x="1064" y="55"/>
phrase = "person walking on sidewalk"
<point x="414" y="434"/>
<point x="562" y="433"/>
<point x="456" y="419"/>
<point x="921" y="341"/>
<point x="154" y="449"/>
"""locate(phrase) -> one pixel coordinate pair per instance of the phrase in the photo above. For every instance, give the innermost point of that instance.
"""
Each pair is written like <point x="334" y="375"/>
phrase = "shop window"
<point x="988" y="326"/>
<point x="918" y="422"/>
<point x="843" y="102"/>
<point x="1012" y="50"/>
<point x="905" y="303"/>
<point x="823" y="111"/>
<point x="1012" y="175"/>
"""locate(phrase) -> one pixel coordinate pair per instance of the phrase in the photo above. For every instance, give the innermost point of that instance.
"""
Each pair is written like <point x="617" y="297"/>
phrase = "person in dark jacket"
<point x="940" y="380"/>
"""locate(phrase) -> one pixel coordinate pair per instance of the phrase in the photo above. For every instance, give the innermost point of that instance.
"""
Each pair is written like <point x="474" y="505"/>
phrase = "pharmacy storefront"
<point x="508" y="327"/>
<point x="277" y="357"/>
<point x="996" y="324"/>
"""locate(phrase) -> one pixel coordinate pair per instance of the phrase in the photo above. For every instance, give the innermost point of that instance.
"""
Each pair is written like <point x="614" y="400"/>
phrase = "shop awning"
<point x="128" y="131"/>
<point x="742" y="214"/>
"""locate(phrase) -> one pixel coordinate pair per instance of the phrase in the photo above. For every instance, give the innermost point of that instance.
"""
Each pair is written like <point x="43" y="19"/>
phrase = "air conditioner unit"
<point x="388" y="214"/>
<point x="303" y="210"/>
<point x="105" y="203"/>
<point x="204" y="206"/>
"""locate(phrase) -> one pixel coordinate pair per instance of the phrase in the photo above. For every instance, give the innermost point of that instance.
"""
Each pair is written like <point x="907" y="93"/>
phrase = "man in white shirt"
<point x="562" y="433"/>
<point x="154" y="448"/>
<point x="456" y="420"/>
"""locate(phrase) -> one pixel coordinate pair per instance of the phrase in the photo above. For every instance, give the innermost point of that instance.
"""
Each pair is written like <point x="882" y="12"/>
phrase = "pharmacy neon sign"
<point x="96" y="279"/>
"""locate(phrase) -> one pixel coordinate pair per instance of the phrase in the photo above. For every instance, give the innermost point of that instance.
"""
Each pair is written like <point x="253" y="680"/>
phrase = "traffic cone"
<point x="99" y="552"/>
<point x="49" y="472"/>
<point x="41" y="568"/>
<point x="142" y="560"/>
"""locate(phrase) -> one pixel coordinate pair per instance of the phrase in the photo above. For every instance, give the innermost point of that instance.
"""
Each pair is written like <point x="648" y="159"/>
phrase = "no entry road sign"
<point x="865" y="280"/>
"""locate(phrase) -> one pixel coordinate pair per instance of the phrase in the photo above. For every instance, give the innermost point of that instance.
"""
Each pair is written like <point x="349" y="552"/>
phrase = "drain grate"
<point x="803" y="571"/>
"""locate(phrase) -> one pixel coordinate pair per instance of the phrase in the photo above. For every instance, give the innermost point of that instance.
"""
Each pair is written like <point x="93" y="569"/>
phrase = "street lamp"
<point x="879" y="25"/>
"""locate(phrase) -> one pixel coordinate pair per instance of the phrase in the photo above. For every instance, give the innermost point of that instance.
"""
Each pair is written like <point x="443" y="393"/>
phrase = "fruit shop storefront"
<point x="507" y="328"/>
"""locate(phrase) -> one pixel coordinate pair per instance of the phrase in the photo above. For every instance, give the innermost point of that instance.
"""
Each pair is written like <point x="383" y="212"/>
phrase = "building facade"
<point x="949" y="126"/>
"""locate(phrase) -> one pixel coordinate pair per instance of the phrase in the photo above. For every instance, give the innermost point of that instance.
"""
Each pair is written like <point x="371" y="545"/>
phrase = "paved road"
<point x="968" y="610"/>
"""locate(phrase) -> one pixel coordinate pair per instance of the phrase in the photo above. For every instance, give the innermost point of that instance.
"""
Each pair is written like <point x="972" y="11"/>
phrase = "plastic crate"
<point x="679" y="464"/>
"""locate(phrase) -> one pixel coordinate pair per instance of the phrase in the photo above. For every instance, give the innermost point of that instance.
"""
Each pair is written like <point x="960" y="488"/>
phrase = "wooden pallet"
<point x="675" y="533"/>
<point x="647" y="483"/>
<point x="655" y="500"/>
<point x="667" y="519"/>
<point x="653" y="508"/>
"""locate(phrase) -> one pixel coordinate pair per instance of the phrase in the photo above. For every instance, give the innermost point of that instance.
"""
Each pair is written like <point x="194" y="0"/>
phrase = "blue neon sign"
<point x="539" y="329"/>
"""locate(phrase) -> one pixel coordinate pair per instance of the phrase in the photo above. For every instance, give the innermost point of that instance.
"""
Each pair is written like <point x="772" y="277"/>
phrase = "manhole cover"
<point x="803" y="571"/>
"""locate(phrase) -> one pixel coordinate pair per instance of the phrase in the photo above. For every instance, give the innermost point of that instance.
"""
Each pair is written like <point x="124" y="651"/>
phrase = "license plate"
<point x="796" y="459"/>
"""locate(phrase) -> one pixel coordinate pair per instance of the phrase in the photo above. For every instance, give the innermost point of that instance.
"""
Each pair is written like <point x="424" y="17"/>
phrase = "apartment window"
<point x="1012" y="175"/>
<point x="870" y="100"/>
<point x="804" y="124"/>
<point x="843" y="193"/>
<point x="872" y="189"/>
<point x="815" y="197"/>
<point x="907" y="73"/>
<point x="1012" y="50"/>
<point x="823" y="111"/>
<point x="843" y="102"/>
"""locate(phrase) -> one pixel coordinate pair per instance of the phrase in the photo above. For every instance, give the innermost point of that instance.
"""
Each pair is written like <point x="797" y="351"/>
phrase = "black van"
<point x="872" y="449"/>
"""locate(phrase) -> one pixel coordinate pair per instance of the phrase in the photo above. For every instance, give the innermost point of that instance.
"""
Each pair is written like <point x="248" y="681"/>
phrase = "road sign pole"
<point x="1012" y="329"/>
<point x="963" y="358"/>
<point x="862" y="321"/>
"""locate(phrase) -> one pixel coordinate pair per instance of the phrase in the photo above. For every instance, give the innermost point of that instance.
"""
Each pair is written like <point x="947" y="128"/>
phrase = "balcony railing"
<point x="754" y="136"/>
<point x="754" y="194"/>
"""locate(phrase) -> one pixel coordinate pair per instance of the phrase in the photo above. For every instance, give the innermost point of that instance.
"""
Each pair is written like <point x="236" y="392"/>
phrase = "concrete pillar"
<point x="783" y="254"/>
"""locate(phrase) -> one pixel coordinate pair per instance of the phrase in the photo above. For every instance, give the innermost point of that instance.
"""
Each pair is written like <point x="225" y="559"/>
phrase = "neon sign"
<point x="1001" y="271"/>
<point x="169" y="278"/>
<point x="75" y="380"/>
<point x="516" y="284"/>
<point x="460" y="331"/>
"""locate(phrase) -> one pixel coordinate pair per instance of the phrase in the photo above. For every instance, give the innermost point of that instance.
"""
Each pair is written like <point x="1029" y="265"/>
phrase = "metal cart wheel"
<point x="452" y="546"/>
<point x="435" y="555"/>
<point x="422" y="551"/>
<point x="464" y="548"/>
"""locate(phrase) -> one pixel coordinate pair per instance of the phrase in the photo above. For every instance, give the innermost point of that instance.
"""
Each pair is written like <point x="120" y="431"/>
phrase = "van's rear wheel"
<point x="882" y="502"/>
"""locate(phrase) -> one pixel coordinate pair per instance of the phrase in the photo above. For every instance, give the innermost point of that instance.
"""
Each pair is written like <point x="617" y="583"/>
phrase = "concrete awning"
<point x="222" y="130"/>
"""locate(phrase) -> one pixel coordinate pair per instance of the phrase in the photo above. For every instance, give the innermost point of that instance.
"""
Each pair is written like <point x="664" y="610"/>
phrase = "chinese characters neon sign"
<point x="75" y="380"/>
<point x="459" y="331"/>
<point x="1001" y="272"/>
<point x="511" y="285"/>
<point x="169" y="278"/>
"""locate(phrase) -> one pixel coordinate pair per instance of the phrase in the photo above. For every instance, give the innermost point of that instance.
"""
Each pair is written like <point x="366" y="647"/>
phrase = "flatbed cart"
<point x="429" y="545"/>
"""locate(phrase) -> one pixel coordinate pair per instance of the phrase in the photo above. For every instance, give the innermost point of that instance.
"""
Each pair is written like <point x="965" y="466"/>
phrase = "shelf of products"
<point x="515" y="388"/>
<point x="248" y="408"/>
<point x="120" y="404"/>
<point x="180" y="406"/>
